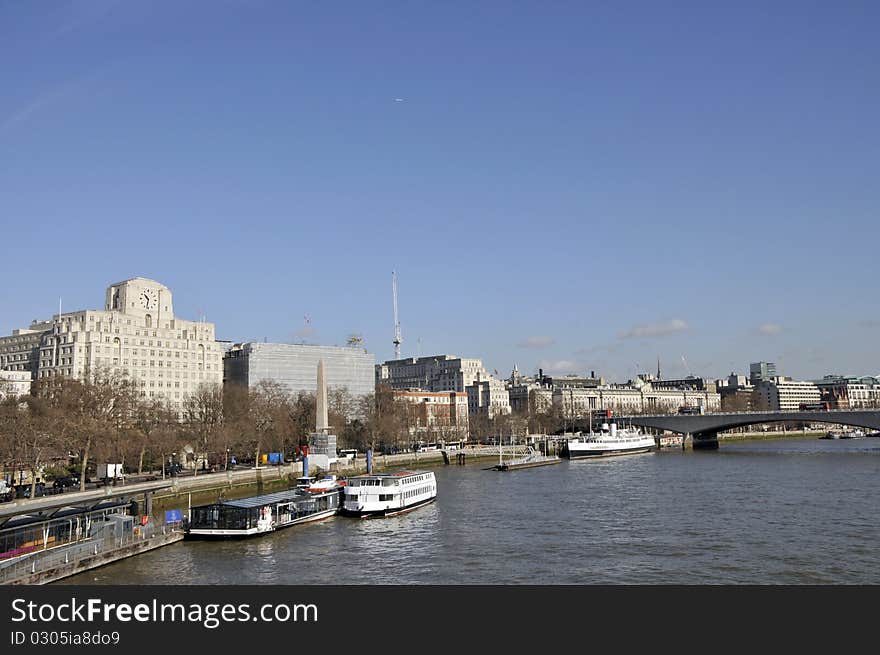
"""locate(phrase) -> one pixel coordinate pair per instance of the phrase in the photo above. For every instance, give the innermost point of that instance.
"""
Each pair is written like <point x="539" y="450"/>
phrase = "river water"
<point x="789" y="511"/>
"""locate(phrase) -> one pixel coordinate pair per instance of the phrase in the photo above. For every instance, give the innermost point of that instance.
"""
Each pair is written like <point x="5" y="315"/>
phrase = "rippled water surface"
<point x="797" y="511"/>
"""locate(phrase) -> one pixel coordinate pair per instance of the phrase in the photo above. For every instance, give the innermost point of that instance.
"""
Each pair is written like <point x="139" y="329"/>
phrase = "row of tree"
<point x="106" y="418"/>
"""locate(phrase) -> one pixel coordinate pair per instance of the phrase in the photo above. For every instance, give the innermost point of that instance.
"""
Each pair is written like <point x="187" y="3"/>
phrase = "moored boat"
<point x="388" y="494"/>
<point x="328" y="482"/>
<point x="847" y="434"/>
<point x="260" y="514"/>
<point x="609" y="441"/>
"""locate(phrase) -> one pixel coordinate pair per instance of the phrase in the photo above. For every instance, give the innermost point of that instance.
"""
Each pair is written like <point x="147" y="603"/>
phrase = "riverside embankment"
<point x="208" y="487"/>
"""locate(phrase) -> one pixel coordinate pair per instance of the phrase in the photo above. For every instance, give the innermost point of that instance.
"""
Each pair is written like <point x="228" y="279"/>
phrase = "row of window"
<point x="416" y="492"/>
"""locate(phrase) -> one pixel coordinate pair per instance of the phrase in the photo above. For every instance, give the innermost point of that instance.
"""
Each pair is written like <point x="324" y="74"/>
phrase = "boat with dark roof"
<point x="388" y="494"/>
<point x="261" y="514"/>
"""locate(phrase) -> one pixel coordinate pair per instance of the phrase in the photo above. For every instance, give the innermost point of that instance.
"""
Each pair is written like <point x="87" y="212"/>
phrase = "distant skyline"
<point x="570" y="186"/>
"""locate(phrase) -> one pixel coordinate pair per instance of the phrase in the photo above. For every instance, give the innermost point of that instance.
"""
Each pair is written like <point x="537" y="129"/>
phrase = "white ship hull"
<point x="388" y="494"/>
<point x="608" y="443"/>
<point x="582" y="451"/>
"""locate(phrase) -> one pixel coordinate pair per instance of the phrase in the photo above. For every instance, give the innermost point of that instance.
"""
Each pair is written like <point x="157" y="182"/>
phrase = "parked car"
<point x="66" y="482"/>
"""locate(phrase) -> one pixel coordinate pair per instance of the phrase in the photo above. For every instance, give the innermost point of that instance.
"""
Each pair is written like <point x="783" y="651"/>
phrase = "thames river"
<point x="790" y="511"/>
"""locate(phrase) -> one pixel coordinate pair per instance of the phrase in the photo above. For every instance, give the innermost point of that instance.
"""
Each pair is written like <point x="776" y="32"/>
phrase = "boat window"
<point x="387" y="483"/>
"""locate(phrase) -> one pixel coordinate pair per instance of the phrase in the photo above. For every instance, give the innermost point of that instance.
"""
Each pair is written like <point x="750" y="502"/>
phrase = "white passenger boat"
<point x="610" y="440"/>
<point x="387" y="494"/>
<point x="260" y="514"/>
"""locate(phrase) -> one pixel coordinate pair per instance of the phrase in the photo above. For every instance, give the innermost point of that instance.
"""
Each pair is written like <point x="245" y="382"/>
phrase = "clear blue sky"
<point x="573" y="185"/>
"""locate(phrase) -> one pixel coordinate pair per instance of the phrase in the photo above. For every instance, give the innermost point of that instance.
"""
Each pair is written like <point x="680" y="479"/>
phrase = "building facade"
<point x="136" y="335"/>
<point x="762" y="372"/>
<point x="21" y="350"/>
<point x="435" y="373"/>
<point x="850" y="392"/>
<point x="295" y="366"/>
<point x="627" y="399"/>
<point x="436" y="415"/>
<point x="783" y="394"/>
<point x="14" y="384"/>
<point x="488" y="397"/>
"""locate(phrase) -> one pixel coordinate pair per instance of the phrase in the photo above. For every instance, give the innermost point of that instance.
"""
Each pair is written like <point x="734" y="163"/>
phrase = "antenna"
<point x="397" y="338"/>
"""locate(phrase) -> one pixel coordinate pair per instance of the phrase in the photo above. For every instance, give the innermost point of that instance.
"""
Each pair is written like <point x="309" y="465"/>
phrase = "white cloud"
<point x="769" y="329"/>
<point x="539" y="341"/>
<point x="663" y="329"/>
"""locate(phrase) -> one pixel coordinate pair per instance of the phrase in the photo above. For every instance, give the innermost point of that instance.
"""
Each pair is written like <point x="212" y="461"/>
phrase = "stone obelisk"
<point x="321" y="419"/>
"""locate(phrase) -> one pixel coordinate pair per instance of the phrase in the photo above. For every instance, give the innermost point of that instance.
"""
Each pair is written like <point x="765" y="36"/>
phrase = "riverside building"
<point x="488" y="397"/>
<point x="627" y="399"/>
<point x="136" y="335"/>
<point x="850" y="392"/>
<point x="435" y="373"/>
<point x="14" y="384"/>
<point x="436" y="415"/>
<point x="783" y="394"/>
<point x="294" y="366"/>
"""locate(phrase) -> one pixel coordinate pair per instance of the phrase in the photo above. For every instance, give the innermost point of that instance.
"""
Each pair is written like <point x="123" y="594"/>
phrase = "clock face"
<point x="148" y="299"/>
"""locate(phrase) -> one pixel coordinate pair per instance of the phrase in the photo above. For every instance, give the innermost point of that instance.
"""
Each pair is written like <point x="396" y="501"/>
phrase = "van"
<point x="350" y="453"/>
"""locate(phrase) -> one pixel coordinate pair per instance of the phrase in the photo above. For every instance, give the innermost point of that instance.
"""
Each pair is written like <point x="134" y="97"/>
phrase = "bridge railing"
<point x="753" y="411"/>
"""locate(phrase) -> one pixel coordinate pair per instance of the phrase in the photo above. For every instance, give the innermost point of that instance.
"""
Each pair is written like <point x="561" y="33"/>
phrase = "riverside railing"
<point x="21" y="568"/>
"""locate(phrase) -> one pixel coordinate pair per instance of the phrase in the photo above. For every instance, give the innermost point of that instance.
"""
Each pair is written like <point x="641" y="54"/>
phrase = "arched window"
<point x="149" y="320"/>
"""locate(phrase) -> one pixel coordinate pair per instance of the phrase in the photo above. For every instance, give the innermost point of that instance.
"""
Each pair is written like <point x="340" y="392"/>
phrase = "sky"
<point x="572" y="186"/>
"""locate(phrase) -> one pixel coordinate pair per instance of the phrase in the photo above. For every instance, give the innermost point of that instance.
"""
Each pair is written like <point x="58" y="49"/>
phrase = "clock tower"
<point x="140" y="296"/>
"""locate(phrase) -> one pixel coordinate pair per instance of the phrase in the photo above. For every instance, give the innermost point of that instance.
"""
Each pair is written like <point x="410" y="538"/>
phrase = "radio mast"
<point x="397" y="338"/>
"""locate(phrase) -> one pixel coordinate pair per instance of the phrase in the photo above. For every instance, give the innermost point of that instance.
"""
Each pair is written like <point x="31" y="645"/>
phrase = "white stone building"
<point x="436" y="415"/>
<point x="14" y="384"/>
<point x="136" y="335"/>
<point x="435" y="373"/>
<point x="488" y="396"/>
<point x="850" y="392"/>
<point x="627" y="399"/>
<point x="783" y="394"/>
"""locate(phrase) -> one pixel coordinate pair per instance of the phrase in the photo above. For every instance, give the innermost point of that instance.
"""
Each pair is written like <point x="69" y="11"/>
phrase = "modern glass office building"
<point x="296" y="366"/>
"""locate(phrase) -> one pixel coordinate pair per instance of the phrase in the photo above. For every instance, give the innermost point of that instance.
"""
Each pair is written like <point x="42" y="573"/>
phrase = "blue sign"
<point x="173" y="515"/>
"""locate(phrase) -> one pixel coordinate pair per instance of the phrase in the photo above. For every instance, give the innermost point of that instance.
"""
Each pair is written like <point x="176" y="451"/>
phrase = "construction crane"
<point x="397" y="338"/>
<point x="686" y="367"/>
<point x="355" y="340"/>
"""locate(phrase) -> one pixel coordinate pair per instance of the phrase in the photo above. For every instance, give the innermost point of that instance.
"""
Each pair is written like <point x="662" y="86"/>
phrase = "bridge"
<point x="702" y="429"/>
